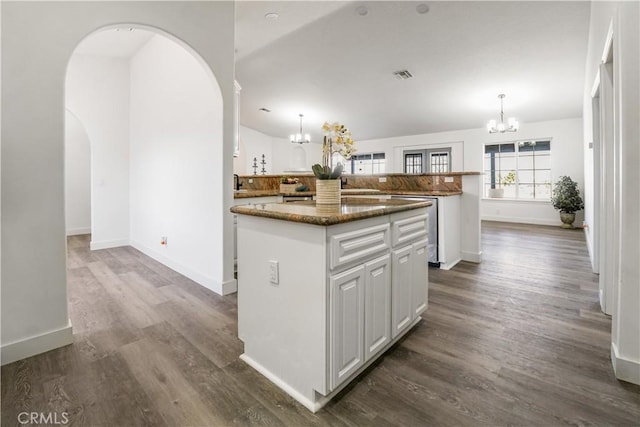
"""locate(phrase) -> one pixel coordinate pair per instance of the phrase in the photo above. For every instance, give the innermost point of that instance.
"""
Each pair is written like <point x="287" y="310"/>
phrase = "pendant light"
<point x="300" y="138"/>
<point x="511" y="126"/>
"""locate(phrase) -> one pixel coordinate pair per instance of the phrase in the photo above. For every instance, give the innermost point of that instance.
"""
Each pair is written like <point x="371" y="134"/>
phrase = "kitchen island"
<point x="324" y="291"/>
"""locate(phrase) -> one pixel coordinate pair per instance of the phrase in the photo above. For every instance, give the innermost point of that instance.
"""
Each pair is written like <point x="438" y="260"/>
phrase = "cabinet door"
<point x="401" y="306"/>
<point x="347" y="323"/>
<point x="377" y="308"/>
<point x="420" y="277"/>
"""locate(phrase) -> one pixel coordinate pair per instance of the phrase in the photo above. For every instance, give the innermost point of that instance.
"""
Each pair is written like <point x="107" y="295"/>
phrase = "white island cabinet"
<point x="319" y="299"/>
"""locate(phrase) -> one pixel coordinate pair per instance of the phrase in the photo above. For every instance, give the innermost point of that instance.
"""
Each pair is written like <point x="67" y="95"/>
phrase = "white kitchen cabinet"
<point x="322" y="323"/>
<point x="410" y="284"/>
<point x="420" y="277"/>
<point x="377" y="307"/>
<point x="401" y="266"/>
<point x="347" y="323"/>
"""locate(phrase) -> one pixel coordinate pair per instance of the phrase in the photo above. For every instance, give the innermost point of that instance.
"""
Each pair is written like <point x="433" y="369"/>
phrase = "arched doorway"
<point x="153" y="113"/>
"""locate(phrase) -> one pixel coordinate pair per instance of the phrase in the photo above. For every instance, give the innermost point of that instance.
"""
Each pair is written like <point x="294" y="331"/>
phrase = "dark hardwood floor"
<point x="516" y="340"/>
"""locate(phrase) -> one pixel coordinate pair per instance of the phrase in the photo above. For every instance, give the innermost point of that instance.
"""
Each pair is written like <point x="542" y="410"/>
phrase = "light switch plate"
<point x="274" y="276"/>
<point x="382" y="179"/>
<point x="448" y="179"/>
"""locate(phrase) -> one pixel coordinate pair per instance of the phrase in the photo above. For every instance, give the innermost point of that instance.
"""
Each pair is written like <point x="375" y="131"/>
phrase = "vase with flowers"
<point x="337" y="140"/>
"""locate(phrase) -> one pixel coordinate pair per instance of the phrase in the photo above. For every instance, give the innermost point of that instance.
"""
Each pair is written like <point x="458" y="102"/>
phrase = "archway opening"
<point x="153" y="115"/>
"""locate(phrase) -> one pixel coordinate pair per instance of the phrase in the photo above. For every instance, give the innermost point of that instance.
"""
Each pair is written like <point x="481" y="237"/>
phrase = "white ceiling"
<point x="326" y="61"/>
<point x="338" y="67"/>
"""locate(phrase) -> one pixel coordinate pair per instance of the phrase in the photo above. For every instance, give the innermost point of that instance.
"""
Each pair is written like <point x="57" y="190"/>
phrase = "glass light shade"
<point x="491" y="126"/>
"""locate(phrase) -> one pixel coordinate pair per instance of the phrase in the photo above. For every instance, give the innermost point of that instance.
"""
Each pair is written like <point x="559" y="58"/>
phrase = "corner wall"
<point x="38" y="39"/>
<point x="175" y="137"/>
<point x="77" y="179"/>
<point x="623" y="18"/>
<point x="97" y="93"/>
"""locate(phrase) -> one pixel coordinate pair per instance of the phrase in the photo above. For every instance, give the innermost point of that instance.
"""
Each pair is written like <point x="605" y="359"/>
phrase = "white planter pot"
<point x="496" y="193"/>
<point x="327" y="191"/>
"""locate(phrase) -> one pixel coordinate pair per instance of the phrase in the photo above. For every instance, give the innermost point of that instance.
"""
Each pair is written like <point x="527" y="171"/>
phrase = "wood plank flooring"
<point x="518" y="339"/>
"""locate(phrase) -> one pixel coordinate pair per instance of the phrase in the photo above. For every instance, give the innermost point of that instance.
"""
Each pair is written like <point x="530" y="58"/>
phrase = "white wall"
<point x="467" y="155"/>
<point x="624" y="265"/>
<point x="34" y="300"/>
<point x="279" y="153"/>
<point x="97" y="93"/>
<point x="77" y="176"/>
<point x="176" y="135"/>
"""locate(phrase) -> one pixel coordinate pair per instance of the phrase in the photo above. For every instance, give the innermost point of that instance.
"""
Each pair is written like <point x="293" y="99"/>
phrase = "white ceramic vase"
<point x="327" y="191"/>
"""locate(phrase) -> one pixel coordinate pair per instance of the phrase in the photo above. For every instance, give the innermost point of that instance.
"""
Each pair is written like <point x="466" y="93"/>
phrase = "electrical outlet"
<point x="163" y="241"/>
<point x="274" y="276"/>
<point x="250" y="180"/>
<point x="448" y="179"/>
<point x="382" y="179"/>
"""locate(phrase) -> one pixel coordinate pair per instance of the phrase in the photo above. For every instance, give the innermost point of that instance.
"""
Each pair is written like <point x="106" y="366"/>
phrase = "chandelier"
<point x="300" y="138"/>
<point x="511" y="126"/>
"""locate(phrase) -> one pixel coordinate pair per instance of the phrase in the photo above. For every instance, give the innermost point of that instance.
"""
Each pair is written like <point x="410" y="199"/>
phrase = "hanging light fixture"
<point x="511" y="126"/>
<point x="300" y="138"/>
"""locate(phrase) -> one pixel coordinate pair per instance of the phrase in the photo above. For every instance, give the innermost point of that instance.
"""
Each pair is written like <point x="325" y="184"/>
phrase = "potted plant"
<point x="337" y="139"/>
<point x="508" y="179"/>
<point x="566" y="198"/>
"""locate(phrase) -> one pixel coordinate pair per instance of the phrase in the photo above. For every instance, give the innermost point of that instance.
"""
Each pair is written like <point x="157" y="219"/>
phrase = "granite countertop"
<point x="254" y="193"/>
<point x="350" y="209"/>
<point x="352" y="192"/>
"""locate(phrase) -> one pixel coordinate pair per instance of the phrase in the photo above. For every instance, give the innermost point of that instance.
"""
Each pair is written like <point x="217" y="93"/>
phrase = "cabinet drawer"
<point x="358" y="244"/>
<point x="408" y="229"/>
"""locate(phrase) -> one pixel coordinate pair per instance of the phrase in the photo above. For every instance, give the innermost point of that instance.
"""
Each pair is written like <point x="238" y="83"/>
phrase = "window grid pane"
<point x="413" y="163"/>
<point x="439" y="162"/>
<point x="521" y="169"/>
<point x="368" y="163"/>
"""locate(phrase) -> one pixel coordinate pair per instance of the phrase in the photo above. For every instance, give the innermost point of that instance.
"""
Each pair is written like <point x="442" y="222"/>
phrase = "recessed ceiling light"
<point x="362" y="10"/>
<point x="422" y="8"/>
<point x="271" y="16"/>
<point x="265" y="110"/>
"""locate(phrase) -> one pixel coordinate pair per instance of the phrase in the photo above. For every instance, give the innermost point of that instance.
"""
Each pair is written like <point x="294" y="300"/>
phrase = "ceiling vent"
<point x="264" y="110"/>
<point x="403" y="75"/>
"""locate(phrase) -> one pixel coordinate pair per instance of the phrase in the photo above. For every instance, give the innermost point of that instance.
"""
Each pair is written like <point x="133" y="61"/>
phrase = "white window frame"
<point x="518" y="144"/>
<point x="373" y="161"/>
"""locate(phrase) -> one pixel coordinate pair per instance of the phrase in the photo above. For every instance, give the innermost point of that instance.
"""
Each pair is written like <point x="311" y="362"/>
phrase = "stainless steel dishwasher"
<point x="432" y="226"/>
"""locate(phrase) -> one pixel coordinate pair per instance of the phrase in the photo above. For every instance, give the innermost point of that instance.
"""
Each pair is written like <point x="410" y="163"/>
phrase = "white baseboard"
<point x="307" y="403"/>
<point x="449" y="265"/>
<point x="229" y="287"/>
<point x="519" y="220"/>
<point x="78" y="231"/>
<point x="471" y="256"/>
<point x="625" y="369"/>
<point x="107" y="244"/>
<point x="314" y="405"/>
<point x="220" y="288"/>
<point x="31" y="346"/>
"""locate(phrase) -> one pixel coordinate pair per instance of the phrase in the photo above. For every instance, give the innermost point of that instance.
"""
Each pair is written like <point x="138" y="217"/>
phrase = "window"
<point x="439" y="160"/>
<point x="520" y="170"/>
<point x="413" y="163"/>
<point x="433" y="160"/>
<point x="368" y="163"/>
